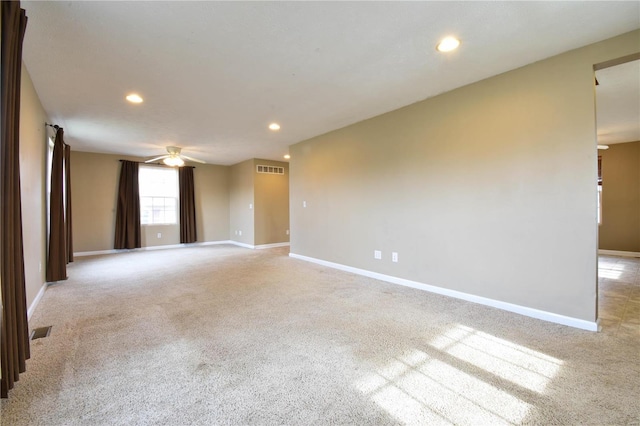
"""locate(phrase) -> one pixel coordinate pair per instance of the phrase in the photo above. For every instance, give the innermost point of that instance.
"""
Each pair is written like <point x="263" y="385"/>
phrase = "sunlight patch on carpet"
<point x="615" y="265"/>
<point x="612" y="274"/>
<point x="419" y="388"/>
<point x="520" y="365"/>
<point x="433" y="392"/>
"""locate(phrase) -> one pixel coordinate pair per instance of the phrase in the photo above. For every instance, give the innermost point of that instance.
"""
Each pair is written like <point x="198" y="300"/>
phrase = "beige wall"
<point x="212" y="202"/>
<point x="94" y="184"/>
<point x="241" y="202"/>
<point x="271" y="204"/>
<point x="33" y="148"/>
<point x="620" y="228"/>
<point x="487" y="189"/>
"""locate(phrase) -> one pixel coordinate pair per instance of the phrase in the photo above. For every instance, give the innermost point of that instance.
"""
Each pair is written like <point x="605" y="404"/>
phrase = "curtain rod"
<point x="155" y="164"/>
<point x="55" y="126"/>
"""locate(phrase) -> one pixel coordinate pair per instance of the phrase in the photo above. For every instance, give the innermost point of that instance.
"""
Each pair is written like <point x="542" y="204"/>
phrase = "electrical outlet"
<point x="377" y="254"/>
<point x="287" y="232"/>
<point x="304" y="204"/>
<point x="159" y="234"/>
<point x="250" y="206"/>
<point x="235" y="232"/>
<point x="239" y="232"/>
<point x="394" y="257"/>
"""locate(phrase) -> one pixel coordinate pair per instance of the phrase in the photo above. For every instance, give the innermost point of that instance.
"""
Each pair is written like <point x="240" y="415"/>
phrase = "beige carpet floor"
<point x="225" y="335"/>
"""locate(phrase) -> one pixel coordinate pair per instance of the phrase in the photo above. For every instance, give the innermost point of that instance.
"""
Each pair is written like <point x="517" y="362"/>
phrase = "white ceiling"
<point x="215" y="74"/>
<point x="618" y="103"/>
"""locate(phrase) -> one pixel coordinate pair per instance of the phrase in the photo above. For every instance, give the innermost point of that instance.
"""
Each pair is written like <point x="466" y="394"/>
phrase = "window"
<point x="599" y="190"/>
<point x="158" y="195"/>
<point x="48" y="184"/>
<point x="599" y="204"/>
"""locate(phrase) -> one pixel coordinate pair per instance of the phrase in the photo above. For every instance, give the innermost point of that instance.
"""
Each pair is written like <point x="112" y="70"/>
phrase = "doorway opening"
<point x="618" y="131"/>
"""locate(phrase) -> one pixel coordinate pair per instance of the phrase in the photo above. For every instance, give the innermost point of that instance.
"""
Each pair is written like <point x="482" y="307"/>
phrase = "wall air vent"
<point x="274" y="170"/>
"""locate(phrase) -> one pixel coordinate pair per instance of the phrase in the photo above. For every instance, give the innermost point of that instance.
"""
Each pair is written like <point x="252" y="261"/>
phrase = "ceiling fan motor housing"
<point x="174" y="150"/>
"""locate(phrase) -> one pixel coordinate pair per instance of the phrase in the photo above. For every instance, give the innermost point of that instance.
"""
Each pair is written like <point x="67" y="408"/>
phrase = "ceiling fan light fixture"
<point x="174" y="157"/>
<point x="173" y="161"/>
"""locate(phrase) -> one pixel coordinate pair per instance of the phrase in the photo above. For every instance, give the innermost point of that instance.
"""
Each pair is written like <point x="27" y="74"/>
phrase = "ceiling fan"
<point x="174" y="158"/>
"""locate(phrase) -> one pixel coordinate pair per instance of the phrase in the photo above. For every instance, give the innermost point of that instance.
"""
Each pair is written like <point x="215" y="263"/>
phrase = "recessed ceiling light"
<point x="287" y="156"/>
<point x="448" y="44"/>
<point x="274" y="126"/>
<point x="134" y="98"/>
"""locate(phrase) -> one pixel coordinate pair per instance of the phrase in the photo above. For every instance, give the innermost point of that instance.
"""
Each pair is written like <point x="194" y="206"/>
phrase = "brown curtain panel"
<point x="67" y="209"/>
<point x="187" y="206"/>
<point x="128" y="210"/>
<point x="57" y="254"/>
<point x="14" y="329"/>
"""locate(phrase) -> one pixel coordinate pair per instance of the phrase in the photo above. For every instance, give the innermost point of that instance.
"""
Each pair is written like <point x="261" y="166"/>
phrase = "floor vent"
<point x="41" y="332"/>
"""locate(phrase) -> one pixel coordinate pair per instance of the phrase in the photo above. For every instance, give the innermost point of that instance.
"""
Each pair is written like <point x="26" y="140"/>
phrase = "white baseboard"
<point x="268" y="246"/>
<point x="171" y="246"/>
<point x="36" y="300"/>
<point x="168" y="246"/>
<point x="209" y="243"/>
<point x="510" y="307"/>
<point x="258" y="247"/>
<point x="239" y="244"/>
<point x="97" y="252"/>
<point x="619" y="253"/>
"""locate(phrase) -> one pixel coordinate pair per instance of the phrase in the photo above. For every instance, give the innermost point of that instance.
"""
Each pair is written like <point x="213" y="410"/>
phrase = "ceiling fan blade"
<point x="157" y="158"/>
<point x="193" y="159"/>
